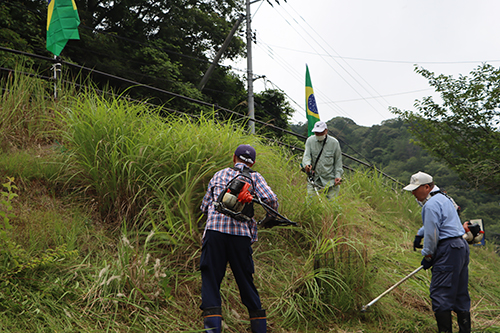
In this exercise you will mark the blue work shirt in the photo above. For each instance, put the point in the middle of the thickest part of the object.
(441, 221)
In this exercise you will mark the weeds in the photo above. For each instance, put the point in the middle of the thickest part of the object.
(107, 230)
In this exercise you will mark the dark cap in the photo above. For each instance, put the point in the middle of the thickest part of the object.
(245, 153)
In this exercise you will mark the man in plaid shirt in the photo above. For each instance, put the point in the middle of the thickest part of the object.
(226, 239)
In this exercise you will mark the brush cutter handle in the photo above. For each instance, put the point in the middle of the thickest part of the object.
(363, 309)
(273, 221)
(273, 218)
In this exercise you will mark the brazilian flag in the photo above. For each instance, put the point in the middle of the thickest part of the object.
(311, 108)
(62, 24)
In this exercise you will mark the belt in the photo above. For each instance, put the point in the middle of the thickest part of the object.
(449, 238)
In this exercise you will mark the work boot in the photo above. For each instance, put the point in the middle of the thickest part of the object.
(212, 319)
(464, 325)
(258, 322)
(443, 321)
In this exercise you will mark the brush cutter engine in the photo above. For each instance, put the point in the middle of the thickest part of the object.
(237, 200)
(473, 233)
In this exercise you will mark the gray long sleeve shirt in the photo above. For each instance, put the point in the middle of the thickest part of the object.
(329, 165)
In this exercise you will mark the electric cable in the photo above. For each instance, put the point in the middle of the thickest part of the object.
(214, 106)
(291, 70)
(340, 75)
(385, 60)
(325, 42)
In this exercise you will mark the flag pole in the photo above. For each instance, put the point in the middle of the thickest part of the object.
(56, 67)
(62, 25)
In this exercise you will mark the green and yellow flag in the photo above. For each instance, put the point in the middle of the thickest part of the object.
(311, 108)
(62, 24)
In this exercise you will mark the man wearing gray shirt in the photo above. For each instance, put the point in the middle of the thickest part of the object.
(323, 162)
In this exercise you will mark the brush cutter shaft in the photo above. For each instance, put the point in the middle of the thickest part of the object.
(391, 288)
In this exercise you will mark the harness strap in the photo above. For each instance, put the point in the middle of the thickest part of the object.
(317, 158)
(457, 207)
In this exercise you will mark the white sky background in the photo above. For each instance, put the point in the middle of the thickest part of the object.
(361, 53)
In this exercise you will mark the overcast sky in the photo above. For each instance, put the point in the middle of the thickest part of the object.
(362, 53)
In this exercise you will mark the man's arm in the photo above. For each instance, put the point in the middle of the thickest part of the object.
(430, 218)
(207, 199)
(306, 158)
(339, 170)
(265, 192)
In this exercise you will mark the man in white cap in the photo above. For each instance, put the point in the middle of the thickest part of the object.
(322, 161)
(445, 251)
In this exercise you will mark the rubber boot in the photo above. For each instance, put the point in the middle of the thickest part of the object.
(444, 321)
(258, 323)
(212, 320)
(464, 325)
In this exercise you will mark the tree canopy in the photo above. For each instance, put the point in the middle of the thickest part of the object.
(462, 131)
(165, 44)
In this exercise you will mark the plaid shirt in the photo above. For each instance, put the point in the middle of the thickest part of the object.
(226, 224)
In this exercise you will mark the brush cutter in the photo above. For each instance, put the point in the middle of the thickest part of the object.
(310, 180)
(236, 201)
(365, 307)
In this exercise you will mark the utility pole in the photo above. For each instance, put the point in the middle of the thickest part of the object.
(251, 110)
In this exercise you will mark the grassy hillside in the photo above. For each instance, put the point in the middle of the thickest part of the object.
(102, 229)
(390, 147)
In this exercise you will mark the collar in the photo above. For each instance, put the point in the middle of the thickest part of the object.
(434, 189)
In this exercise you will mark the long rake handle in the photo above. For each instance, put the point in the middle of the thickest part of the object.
(363, 309)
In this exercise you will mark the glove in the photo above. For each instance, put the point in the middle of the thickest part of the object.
(427, 262)
(417, 243)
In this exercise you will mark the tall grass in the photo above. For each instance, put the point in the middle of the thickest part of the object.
(144, 176)
(27, 109)
(154, 172)
(141, 166)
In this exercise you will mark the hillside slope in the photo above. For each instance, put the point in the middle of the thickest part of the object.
(105, 231)
(389, 146)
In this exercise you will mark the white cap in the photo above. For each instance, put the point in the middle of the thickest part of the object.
(420, 178)
(319, 127)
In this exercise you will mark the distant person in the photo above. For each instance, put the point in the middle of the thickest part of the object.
(445, 251)
(227, 239)
(322, 162)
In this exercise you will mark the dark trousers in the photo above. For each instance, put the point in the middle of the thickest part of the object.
(217, 250)
(450, 276)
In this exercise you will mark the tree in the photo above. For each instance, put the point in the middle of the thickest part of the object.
(463, 130)
(20, 29)
(167, 44)
(272, 107)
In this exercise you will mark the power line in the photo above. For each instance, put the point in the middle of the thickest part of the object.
(321, 46)
(292, 71)
(385, 60)
(214, 106)
(395, 94)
